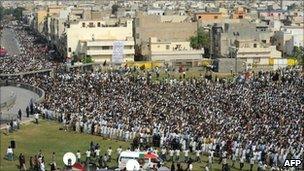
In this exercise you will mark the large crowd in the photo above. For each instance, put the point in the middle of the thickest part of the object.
(33, 55)
(254, 119)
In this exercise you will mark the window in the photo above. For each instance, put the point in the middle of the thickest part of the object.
(215, 17)
(199, 17)
(70, 49)
(167, 47)
(91, 24)
(255, 45)
(105, 47)
(264, 41)
(83, 24)
(98, 24)
(137, 22)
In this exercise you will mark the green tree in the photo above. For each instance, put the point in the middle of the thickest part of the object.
(87, 59)
(299, 54)
(200, 40)
(17, 13)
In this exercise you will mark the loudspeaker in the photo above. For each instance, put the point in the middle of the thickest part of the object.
(13, 144)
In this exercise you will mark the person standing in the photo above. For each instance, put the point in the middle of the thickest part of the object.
(177, 152)
(88, 155)
(78, 156)
(36, 118)
(97, 152)
(31, 108)
(197, 153)
(251, 163)
(119, 149)
(186, 154)
(22, 162)
(163, 153)
(27, 110)
(242, 160)
(171, 152)
(109, 153)
(20, 114)
(9, 153)
(53, 157)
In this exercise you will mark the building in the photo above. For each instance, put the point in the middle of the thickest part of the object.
(169, 51)
(255, 53)
(224, 35)
(39, 20)
(209, 16)
(166, 29)
(96, 38)
(288, 37)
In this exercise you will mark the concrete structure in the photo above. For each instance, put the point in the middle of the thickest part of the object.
(147, 26)
(224, 35)
(39, 20)
(168, 51)
(96, 38)
(209, 16)
(253, 52)
(239, 13)
(288, 37)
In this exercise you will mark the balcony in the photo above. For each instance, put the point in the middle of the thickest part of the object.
(177, 52)
(98, 43)
(108, 52)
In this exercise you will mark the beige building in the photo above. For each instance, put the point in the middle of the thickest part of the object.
(253, 52)
(165, 28)
(39, 19)
(168, 51)
(96, 38)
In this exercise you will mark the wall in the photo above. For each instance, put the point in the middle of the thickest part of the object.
(77, 33)
(147, 26)
(209, 16)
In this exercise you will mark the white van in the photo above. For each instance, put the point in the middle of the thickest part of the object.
(145, 159)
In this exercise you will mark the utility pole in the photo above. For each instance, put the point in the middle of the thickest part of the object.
(236, 34)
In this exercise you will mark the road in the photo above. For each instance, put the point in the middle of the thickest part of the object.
(9, 42)
(22, 101)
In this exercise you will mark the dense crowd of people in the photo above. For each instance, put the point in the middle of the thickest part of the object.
(253, 119)
(33, 54)
(257, 118)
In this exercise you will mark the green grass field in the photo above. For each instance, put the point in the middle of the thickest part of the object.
(46, 136)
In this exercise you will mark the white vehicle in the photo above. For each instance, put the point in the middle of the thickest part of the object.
(145, 159)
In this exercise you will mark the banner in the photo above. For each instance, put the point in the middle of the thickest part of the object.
(118, 54)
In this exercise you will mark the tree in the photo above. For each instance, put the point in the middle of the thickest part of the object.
(114, 9)
(17, 13)
(87, 59)
(299, 53)
(200, 40)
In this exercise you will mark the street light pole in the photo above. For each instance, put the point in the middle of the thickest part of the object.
(236, 34)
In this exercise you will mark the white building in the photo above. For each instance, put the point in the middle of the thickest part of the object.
(96, 38)
(288, 37)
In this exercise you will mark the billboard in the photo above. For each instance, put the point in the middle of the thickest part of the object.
(118, 54)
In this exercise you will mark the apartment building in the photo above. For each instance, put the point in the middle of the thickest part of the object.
(166, 28)
(98, 39)
(288, 37)
(225, 35)
(172, 50)
(254, 52)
